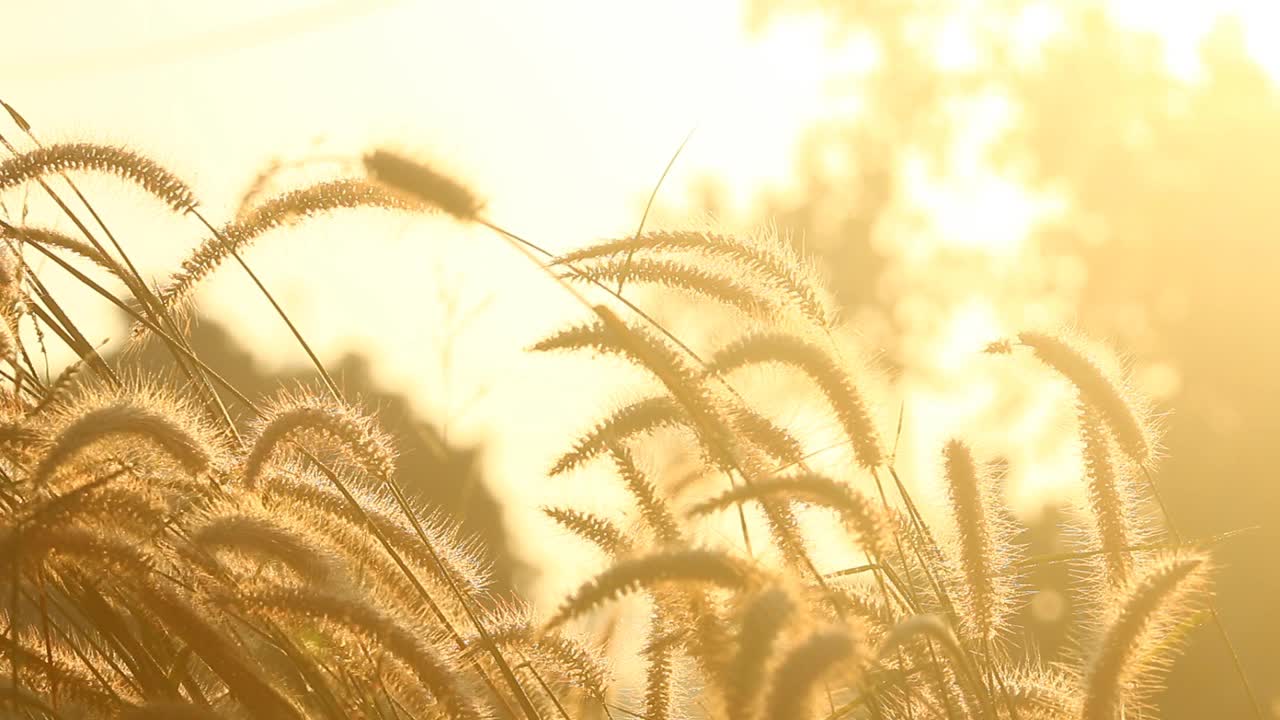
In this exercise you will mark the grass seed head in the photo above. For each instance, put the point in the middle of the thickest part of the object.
(423, 184)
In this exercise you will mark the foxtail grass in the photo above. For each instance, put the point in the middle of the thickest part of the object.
(167, 558)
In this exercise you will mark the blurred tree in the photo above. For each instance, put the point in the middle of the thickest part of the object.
(1166, 185)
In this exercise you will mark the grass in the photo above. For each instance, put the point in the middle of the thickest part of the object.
(164, 561)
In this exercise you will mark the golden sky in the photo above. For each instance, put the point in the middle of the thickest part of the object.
(562, 114)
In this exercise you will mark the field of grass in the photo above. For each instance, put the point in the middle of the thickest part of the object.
(173, 548)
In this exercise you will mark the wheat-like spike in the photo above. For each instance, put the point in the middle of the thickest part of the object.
(780, 517)
(414, 587)
(350, 625)
(1096, 389)
(779, 444)
(313, 498)
(653, 509)
(580, 663)
(1153, 602)
(48, 237)
(597, 530)
(423, 184)
(586, 336)
(124, 504)
(1041, 693)
(763, 619)
(126, 417)
(437, 673)
(72, 157)
(582, 666)
(681, 276)
(797, 676)
(826, 373)
(785, 530)
(652, 414)
(629, 421)
(1109, 497)
(293, 416)
(775, 262)
(507, 623)
(681, 381)
(676, 565)
(279, 211)
(52, 509)
(860, 513)
(612, 335)
(253, 533)
(658, 654)
(980, 560)
(870, 607)
(96, 548)
(709, 640)
(43, 671)
(20, 444)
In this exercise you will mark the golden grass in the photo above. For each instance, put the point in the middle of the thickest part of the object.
(166, 561)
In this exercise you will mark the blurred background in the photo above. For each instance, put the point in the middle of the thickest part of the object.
(961, 170)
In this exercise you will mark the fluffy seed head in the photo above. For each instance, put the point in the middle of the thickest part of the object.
(797, 676)
(423, 184)
(435, 671)
(826, 373)
(699, 566)
(282, 210)
(722, 288)
(862, 516)
(50, 238)
(297, 416)
(1096, 389)
(1153, 605)
(763, 619)
(613, 336)
(257, 535)
(765, 256)
(165, 427)
(635, 419)
(1110, 498)
(329, 514)
(986, 594)
(602, 532)
(70, 157)
(653, 507)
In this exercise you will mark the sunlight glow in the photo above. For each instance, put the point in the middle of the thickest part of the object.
(1183, 26)
(564, 115)
(772, 89)
(845, 290)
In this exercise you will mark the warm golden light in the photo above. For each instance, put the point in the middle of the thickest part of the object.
(838, 331)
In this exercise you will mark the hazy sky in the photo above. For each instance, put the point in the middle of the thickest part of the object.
(562, 114)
